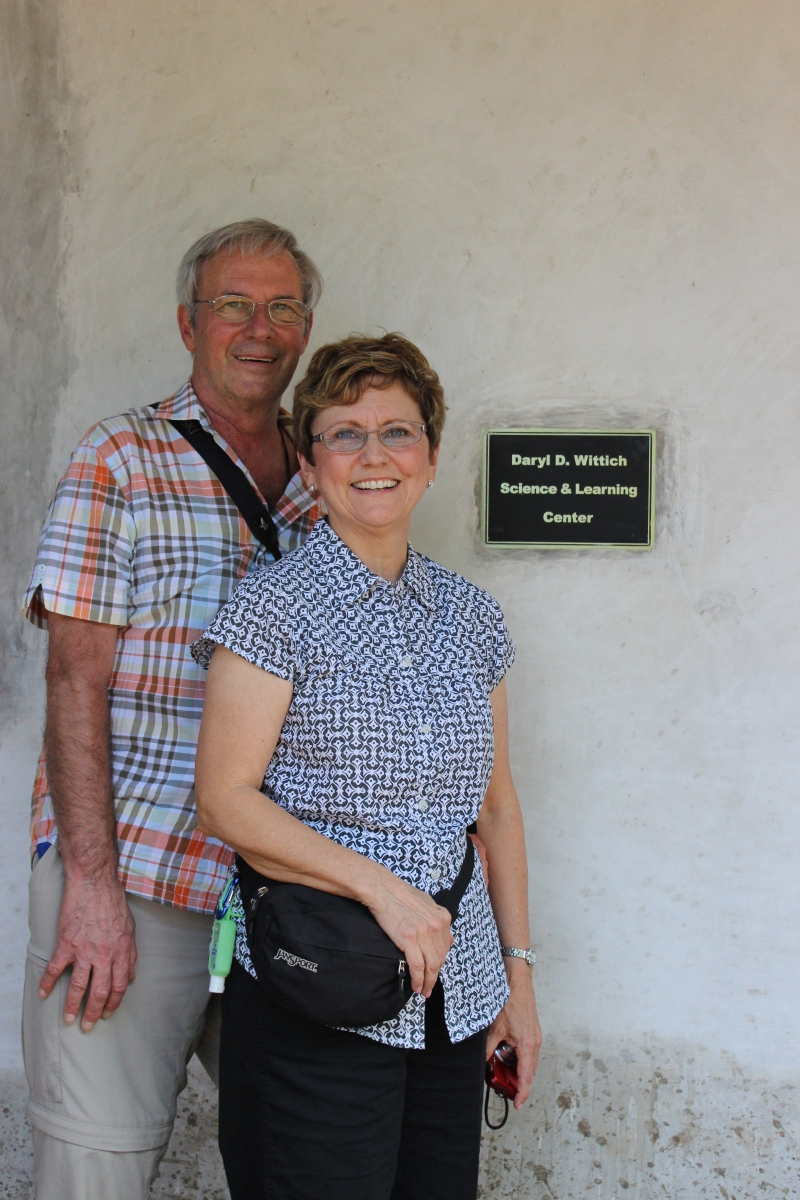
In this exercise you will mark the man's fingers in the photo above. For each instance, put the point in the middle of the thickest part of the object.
(99, 993)
(104, 996)
(75, 992)
(57, 965)
(96, 939)
(120, 978)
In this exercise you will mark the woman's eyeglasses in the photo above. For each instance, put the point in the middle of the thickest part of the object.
(395, 435)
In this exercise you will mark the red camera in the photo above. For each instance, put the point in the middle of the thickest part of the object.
(501, 1071)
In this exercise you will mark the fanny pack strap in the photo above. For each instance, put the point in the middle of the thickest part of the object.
(451, 897)
(235, 482)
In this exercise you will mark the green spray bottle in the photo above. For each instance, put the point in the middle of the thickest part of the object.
(223, 939)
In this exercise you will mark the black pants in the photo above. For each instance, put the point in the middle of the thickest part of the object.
(312, 1113)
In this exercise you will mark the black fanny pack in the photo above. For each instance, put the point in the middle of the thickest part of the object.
(325, 957)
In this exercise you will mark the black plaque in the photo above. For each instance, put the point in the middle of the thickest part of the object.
(555, 488)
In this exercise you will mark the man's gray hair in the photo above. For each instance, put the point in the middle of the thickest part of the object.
(255, 236)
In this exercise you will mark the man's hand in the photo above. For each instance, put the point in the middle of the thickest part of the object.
(96, 938)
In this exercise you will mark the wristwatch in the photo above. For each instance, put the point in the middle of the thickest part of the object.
(515, 952)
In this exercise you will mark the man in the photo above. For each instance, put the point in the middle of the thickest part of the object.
(140, 548)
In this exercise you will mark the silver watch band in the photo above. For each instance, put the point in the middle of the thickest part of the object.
(515, 952)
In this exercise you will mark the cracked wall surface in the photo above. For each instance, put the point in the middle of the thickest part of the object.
(585, 215)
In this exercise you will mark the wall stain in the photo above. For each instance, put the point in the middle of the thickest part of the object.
(37, 157)
(668, 1121)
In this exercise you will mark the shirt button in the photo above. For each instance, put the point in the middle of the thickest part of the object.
(405, 662)
(434, 873)
(424, 728)
(422, 806)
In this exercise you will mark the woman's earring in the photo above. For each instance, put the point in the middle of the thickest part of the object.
(430, 483)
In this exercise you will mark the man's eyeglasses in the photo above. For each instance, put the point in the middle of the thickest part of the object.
(237, 310)
(395, 435)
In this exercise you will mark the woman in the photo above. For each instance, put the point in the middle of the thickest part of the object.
(355, 725)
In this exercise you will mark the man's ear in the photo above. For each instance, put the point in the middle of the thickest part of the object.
(307, 334)
(186, 327)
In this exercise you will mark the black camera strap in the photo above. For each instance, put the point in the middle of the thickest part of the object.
(504, 1117)
(235, 482)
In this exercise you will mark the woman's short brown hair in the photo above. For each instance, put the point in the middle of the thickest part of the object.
(341, 372)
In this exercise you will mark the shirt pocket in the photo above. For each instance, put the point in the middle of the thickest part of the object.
(461, 723)
(351, 721)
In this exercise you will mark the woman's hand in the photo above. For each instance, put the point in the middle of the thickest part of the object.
(518, 1024)
(416, 924)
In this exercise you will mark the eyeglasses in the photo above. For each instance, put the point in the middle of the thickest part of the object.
(395, 435)
(237, 310)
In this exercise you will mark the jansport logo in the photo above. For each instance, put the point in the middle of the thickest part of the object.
(293, 960)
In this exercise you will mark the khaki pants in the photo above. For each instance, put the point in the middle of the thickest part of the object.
(102, 1103)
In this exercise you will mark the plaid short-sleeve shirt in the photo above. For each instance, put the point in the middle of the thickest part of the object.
(142, 535)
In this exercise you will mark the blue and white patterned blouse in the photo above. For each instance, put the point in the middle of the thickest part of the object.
(388, 744)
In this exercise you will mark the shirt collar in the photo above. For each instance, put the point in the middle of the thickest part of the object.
(295, 502)
(419, 578)
(350, 581)
(184, 406)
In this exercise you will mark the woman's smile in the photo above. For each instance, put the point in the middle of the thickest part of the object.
(375, 485)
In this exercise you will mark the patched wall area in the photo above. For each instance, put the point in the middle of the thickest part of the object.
(587, 216)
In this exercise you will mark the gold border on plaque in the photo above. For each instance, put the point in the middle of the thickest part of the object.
(651, 496)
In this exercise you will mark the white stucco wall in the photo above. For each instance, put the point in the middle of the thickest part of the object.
(586, 214)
